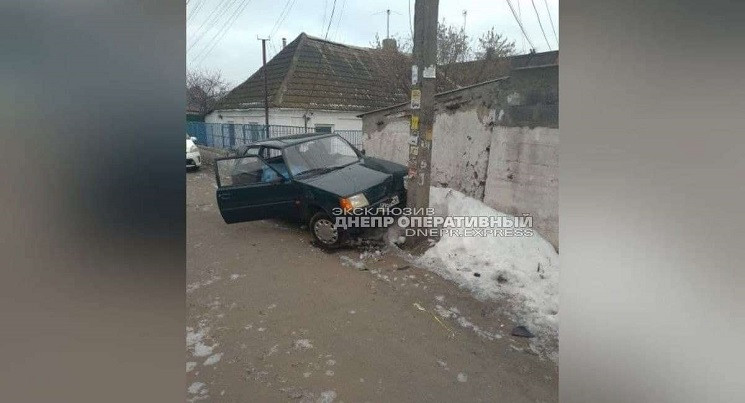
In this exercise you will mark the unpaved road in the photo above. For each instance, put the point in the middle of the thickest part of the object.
(271, 318)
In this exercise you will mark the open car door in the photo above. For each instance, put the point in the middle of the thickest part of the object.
(249, 189)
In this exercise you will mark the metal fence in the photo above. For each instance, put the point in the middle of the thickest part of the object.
(232, 135)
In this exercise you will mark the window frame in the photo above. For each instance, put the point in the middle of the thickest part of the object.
(221, 186)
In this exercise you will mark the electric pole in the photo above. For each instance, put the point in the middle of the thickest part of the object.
(423, 78)
(266, 91)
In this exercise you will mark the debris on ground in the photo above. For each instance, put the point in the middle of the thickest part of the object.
(349, 262)
(522, 331)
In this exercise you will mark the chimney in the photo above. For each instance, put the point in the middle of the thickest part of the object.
(390, 44)
(284, 42)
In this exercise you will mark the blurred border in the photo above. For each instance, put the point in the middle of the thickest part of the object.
(93, 216)
(652, 227)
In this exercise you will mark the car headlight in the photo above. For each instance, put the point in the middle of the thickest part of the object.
(193, 148)
(352, 202)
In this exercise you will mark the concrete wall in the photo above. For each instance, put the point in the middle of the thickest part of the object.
(485, 147)
(523, 176)
(340, 120)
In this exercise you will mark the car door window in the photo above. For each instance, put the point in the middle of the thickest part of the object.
(245, 171)
(252, 151)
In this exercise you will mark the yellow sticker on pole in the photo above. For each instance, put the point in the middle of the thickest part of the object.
(416, 99)
(428, 134)
(415, 122)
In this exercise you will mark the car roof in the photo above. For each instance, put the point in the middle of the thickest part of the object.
(286, 141)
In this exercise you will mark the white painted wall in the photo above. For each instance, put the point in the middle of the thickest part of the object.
(341, 120)
(460, 153)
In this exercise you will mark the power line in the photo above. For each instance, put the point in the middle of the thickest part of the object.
(330, 19)
(520, 15)
(540, 24)
(222, 31)
(195, 10)
(216, 15)
(338, 21)
(212, 23)
(520, 24)
(211, 17)
(282, 17)
(551, 20)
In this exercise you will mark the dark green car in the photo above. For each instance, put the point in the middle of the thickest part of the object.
(311, 178)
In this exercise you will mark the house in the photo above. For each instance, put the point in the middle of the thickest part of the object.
(319, 85)
(495, 140)
(322, 86)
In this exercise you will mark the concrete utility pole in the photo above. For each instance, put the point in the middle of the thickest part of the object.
(423, 73)
(266, 90)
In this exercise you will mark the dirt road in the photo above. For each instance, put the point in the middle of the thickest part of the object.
(273, 318)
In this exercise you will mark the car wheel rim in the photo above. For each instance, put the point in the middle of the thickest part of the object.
(325, 231)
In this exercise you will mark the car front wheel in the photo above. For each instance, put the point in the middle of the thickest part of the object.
(324, 232)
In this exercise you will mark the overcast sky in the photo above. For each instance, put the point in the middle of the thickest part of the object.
(221, 34)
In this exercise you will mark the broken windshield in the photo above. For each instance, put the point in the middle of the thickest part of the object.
(319, 156)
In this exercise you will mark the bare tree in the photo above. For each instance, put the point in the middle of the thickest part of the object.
(204, 89)
(493, 45)
(453, 45)
(404, 44)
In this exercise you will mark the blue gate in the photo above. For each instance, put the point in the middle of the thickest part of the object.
(232, 135)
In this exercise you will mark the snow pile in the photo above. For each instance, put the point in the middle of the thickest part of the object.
(302, 344)
(525, 270)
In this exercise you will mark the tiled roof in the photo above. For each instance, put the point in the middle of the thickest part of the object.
(318, 74)
(469, 73)
(314, 73)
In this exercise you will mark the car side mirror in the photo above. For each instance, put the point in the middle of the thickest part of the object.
(194, 139)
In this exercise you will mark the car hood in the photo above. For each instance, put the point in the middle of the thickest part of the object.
(353, 179)
(189, 143)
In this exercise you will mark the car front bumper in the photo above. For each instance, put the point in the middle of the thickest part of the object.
(193, 160)
(393, 210)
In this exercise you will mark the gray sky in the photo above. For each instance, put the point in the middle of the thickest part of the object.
(221, 34)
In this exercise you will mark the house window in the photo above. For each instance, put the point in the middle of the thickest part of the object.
(324, 128)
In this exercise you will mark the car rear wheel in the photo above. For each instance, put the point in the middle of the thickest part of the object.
(323, 231)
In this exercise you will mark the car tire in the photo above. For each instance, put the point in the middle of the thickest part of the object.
(324, 234)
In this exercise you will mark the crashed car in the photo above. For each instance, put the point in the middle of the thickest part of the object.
(311, 178)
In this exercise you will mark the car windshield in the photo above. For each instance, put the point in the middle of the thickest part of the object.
(319, 156)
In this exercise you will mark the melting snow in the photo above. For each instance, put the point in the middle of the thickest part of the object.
(213, 359)
(197, 285)
(303, 344)
(195, 387)
(349, 262)
(190, 366)
(462, 377)
(202, 350)
(327, 396)
(523, 269)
